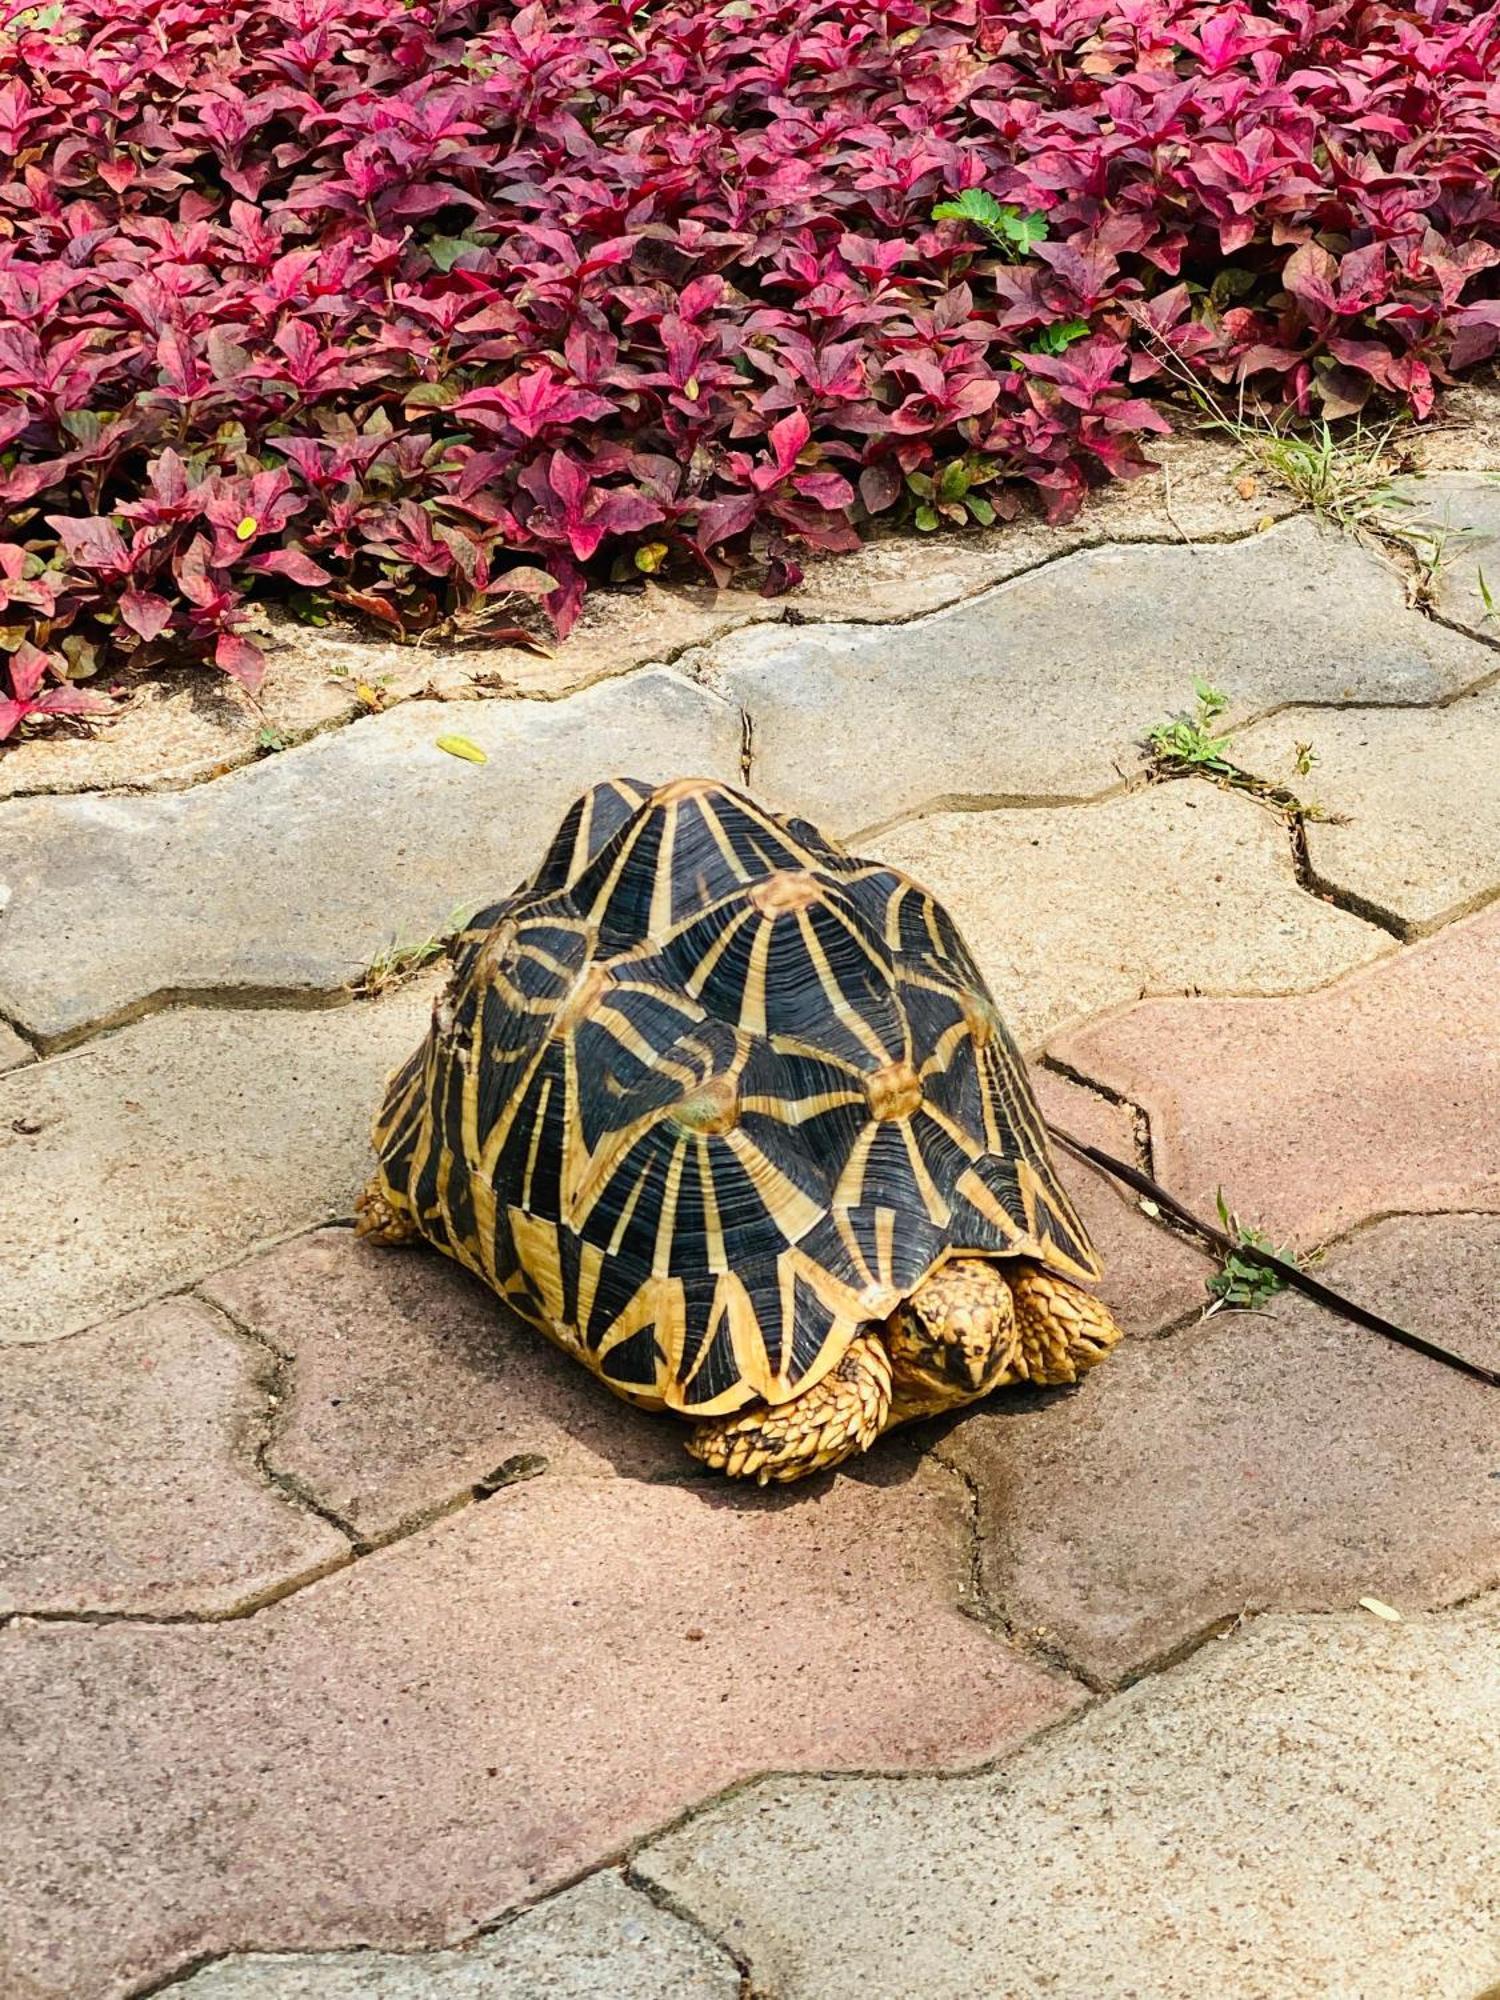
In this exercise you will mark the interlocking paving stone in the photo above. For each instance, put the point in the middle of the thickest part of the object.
(127, 1473)
(1378, 1094)
(1177, 888)
(412, 1383)
(463, 1720)
(295, 873)
(1466, 509)
(1049, 684)
(1421, 791)
(14, 1049)
(1151, 1276)
(1289, 1461)
(1307, 1808)
(600, 1941)
(153, 1155)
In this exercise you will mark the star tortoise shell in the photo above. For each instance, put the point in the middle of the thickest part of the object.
(708, 1094)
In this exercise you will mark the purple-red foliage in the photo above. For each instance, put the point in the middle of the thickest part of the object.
(419, 305)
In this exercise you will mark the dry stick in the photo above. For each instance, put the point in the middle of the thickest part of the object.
(1290, 1274)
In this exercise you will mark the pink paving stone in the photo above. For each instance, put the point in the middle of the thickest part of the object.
(1379, 1093)
(1151, 1277)
(411, 1383)
(127, 1473)
(461, 1721)
(1288, 1461)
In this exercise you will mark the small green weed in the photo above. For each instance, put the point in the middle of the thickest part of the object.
(948, 494)
(1243, 1284)
(1013, 233)
(1059, 337)
(1186, 746)
(268, 739)
(397, 963)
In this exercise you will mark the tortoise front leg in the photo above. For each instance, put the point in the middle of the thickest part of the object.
(382, 1216)
(1063, 1329)
(839, 1417)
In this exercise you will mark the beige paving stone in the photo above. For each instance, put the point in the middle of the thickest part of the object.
(411, 1384)
(600, 1941)
(1464, 509)
(1379, 1094)
(453, 1725)
(1045, 688)
(1420, 790)
(14, 1049)
(156, 1154)
(128, 1480)
(1177, 888)
(1304, 1809)
(1287, 1461)
(182, 728)
(296, 873)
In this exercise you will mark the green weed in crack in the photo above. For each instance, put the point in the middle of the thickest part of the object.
(1185, 745)
(1243, 1284)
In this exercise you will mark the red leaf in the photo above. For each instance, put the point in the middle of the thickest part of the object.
(241, 659)
(145, 612)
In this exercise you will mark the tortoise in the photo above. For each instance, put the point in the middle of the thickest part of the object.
(731, 1116)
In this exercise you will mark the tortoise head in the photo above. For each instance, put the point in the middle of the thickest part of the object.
(955, 1338)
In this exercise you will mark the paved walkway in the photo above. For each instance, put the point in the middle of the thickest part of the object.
(356, 1644)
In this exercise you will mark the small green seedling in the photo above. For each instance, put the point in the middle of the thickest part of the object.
(1013, 233)
(1187, 746)
(1485, 597)
(947, 494)
(1243, 1284)
(269, 739)
(1187, 742)
(1059, 337)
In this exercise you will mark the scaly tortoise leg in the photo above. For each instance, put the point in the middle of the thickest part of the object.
(1064, 1330)
(381, 1217)
(839, 1417)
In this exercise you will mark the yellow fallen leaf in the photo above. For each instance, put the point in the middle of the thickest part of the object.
(1380, 1610)
(1266, 521)
(461, 746)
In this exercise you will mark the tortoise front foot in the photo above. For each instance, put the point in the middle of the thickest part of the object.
(380, 1218)
(838, 1418)
(1064, 1330)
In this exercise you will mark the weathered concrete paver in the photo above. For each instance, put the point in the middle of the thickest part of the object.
(411, 1383)
(156, 1154)
(1421, 791)
(1377, 1094)
(1290, 1461)
(397, 1754)
(1307, 1808)
(295, 873)
(1151, 1276)
(600, 1941)
(14, 1049)
(1052, 682)
(128, 1479)
(1465, 509)
(1178, 888)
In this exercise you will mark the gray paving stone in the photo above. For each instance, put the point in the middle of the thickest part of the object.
(158, 1153)
(1465, 508)
(1180, 888)
(1307, 1808)
(128, 1480)
(1288, 1461)
(600, 1941)
(295, 873)
(1420, 789)
(1044, 688)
